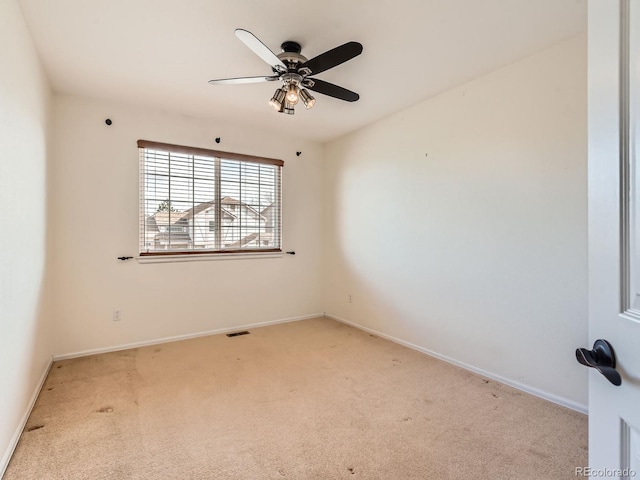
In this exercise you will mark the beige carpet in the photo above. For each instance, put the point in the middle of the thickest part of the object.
(313, 399)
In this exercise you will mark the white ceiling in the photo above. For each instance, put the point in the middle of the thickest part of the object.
(162, 52)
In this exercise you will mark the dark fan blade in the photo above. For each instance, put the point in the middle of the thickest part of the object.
(224, 81)
(260, 49)
(333, 57)
(332, 90)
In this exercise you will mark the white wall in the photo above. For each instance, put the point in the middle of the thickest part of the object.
(459, 225)
(476, 251)
(95, 211)
(25, 350)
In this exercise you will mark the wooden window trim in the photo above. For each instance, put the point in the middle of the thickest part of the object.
(209, 252)
(209, 153)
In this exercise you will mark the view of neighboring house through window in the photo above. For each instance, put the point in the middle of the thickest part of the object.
(195, 200)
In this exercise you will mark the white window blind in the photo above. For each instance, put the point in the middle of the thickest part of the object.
(195, 200)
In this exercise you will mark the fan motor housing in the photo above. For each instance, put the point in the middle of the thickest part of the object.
(291, 54)
(291, 46)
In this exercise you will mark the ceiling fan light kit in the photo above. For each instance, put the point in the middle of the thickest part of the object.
(307, 99)
(287, 108)
(277, 99)
(292, 94)
(294, 70)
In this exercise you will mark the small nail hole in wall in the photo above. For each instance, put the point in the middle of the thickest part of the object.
(108, 121)
(217, 139)
(298, 154)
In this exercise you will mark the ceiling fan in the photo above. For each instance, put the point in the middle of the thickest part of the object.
(294, 71)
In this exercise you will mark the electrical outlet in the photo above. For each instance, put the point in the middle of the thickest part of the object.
(117, 315)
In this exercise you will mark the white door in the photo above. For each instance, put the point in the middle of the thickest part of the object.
(614, 233)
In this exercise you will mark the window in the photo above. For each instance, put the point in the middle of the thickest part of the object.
(194, 200)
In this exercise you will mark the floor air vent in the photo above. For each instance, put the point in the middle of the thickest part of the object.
(236, 334)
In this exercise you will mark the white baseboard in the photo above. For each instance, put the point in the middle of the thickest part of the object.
(578, 407)
(4, 463)
(146, 343)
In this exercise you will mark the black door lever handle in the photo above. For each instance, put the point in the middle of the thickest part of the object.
(602, 358)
